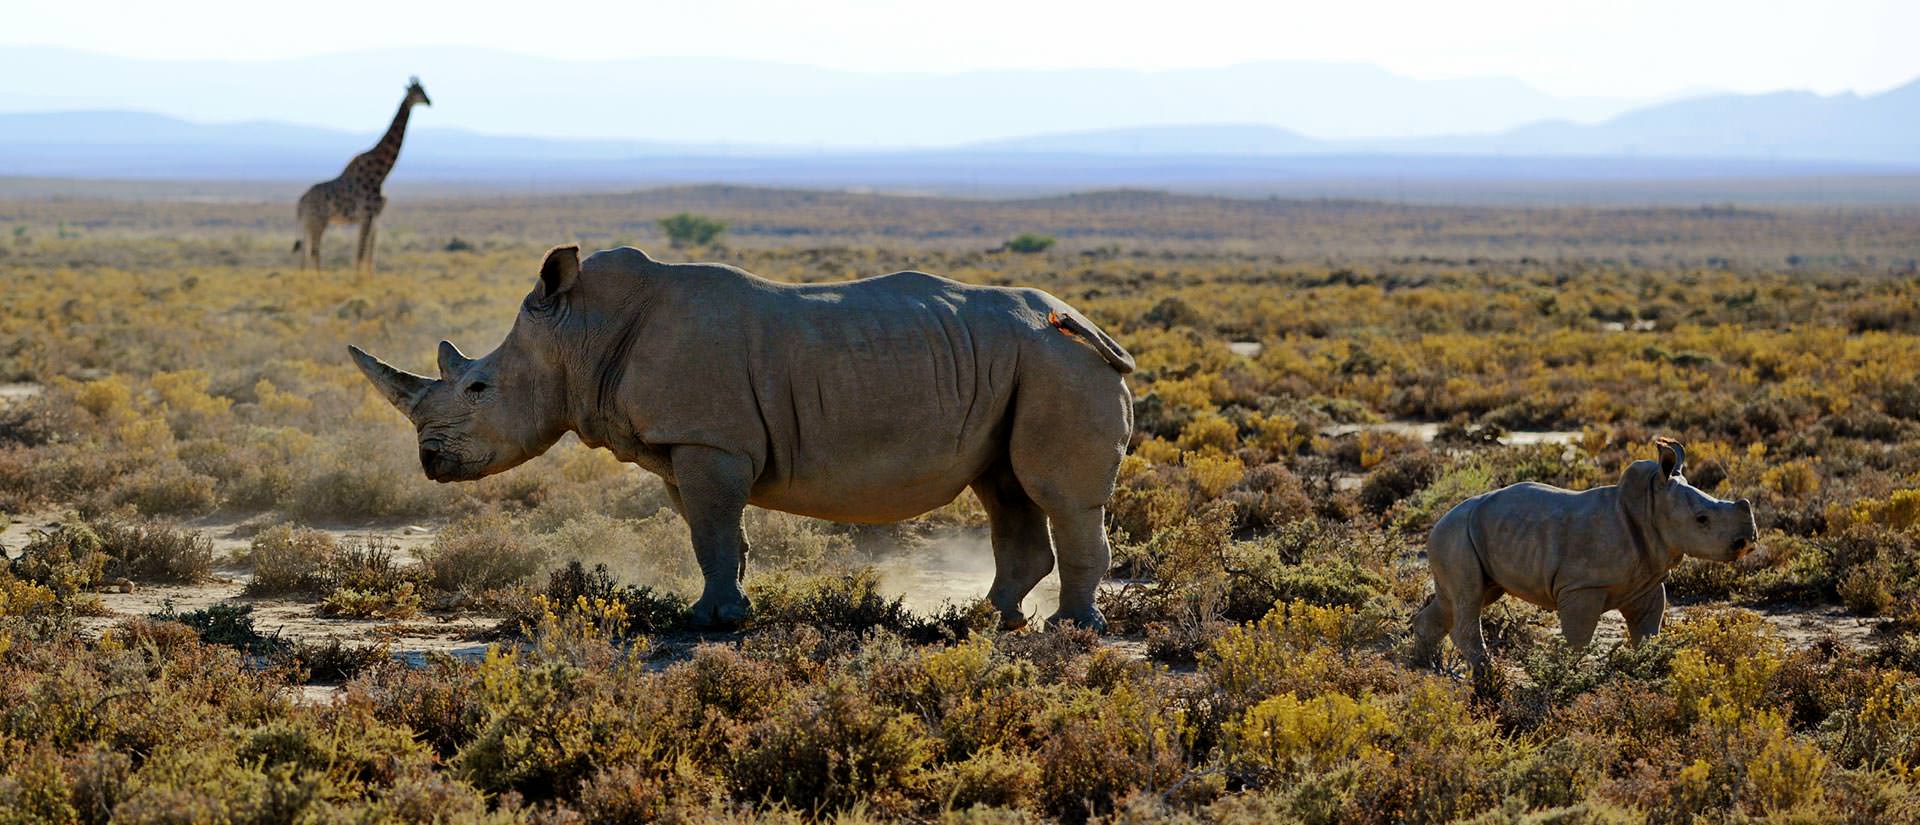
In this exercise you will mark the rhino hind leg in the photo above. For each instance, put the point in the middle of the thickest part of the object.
(1022, 550)
(1081, 538)
(1071, 422)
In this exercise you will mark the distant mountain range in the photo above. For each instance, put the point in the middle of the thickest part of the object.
(708, 101)
(1874, 130)
(773, 116)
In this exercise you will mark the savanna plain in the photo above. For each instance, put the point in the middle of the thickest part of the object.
(232, 596)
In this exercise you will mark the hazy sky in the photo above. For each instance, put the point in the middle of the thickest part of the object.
(1571, 47)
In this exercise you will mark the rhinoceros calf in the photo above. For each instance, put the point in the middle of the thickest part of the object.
(868, 401)
(1580, 554)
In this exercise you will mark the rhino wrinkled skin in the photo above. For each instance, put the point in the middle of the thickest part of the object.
(1580, 554)
(867, 401)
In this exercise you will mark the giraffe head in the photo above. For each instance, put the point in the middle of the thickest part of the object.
(417, 93)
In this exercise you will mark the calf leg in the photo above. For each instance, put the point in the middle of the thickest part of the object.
(1022, 550)
(1429, 625)
(1467, 637)
(1579, 612)
(713, 486)
(1645, 615)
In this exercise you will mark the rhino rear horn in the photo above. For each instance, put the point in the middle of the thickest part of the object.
(1673, 457)
(452, 360)
(401, 389)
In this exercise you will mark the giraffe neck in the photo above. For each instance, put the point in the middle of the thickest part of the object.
(381, 157)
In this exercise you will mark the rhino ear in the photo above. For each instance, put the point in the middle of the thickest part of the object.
(1673, 457)
(401, 389)
(560, 270)
(452, 361)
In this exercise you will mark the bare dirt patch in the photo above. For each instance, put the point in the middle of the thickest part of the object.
(16, 392)
(1426, 431)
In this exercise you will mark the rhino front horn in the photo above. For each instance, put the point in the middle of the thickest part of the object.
(452, 360)
(401, 389)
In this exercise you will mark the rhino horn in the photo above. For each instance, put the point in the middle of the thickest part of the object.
(1673, 456)
(452, 360)
(401, 389)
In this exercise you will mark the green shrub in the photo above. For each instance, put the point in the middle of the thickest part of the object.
(647, 610)
(288, 559)
(991, 777)
(167, 489)
(1096, 748)
(149, 551)
(228, 625)
(687, 229)
(484, 554)
(1284, 735)
(1028, 243)
(850, 601)
(832, 748)
(68, 560)
(399, 603)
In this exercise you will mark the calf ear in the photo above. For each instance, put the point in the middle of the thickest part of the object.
(1673, 457)
(560, 270)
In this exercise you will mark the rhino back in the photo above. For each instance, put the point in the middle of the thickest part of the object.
(871, 400)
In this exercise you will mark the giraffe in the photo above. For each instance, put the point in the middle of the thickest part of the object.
(355, 197)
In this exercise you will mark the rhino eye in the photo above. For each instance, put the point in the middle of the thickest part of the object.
(478, 387)
(1701, 519)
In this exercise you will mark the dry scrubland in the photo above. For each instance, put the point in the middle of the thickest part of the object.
(1264, 575)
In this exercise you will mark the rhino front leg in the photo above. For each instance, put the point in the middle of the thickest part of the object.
(1579, 614)
(746, 547)
(711, 491)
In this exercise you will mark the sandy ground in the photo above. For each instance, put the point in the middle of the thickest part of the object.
(412, 640)
(10, 393)
(1425, 431)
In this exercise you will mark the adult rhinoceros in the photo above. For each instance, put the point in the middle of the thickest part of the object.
(868, 401)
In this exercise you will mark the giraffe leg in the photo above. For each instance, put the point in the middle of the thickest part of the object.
(363, 259)
(314, 231)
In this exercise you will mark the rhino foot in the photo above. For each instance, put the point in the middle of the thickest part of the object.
(719, 613)
(1010, 622)
(1089, 618)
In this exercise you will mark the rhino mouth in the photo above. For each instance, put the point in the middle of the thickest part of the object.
(441, 467)
(1741, 547)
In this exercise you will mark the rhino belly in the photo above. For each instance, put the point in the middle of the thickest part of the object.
(886, 483)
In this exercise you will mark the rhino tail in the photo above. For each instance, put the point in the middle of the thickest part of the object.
(1074, 325)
